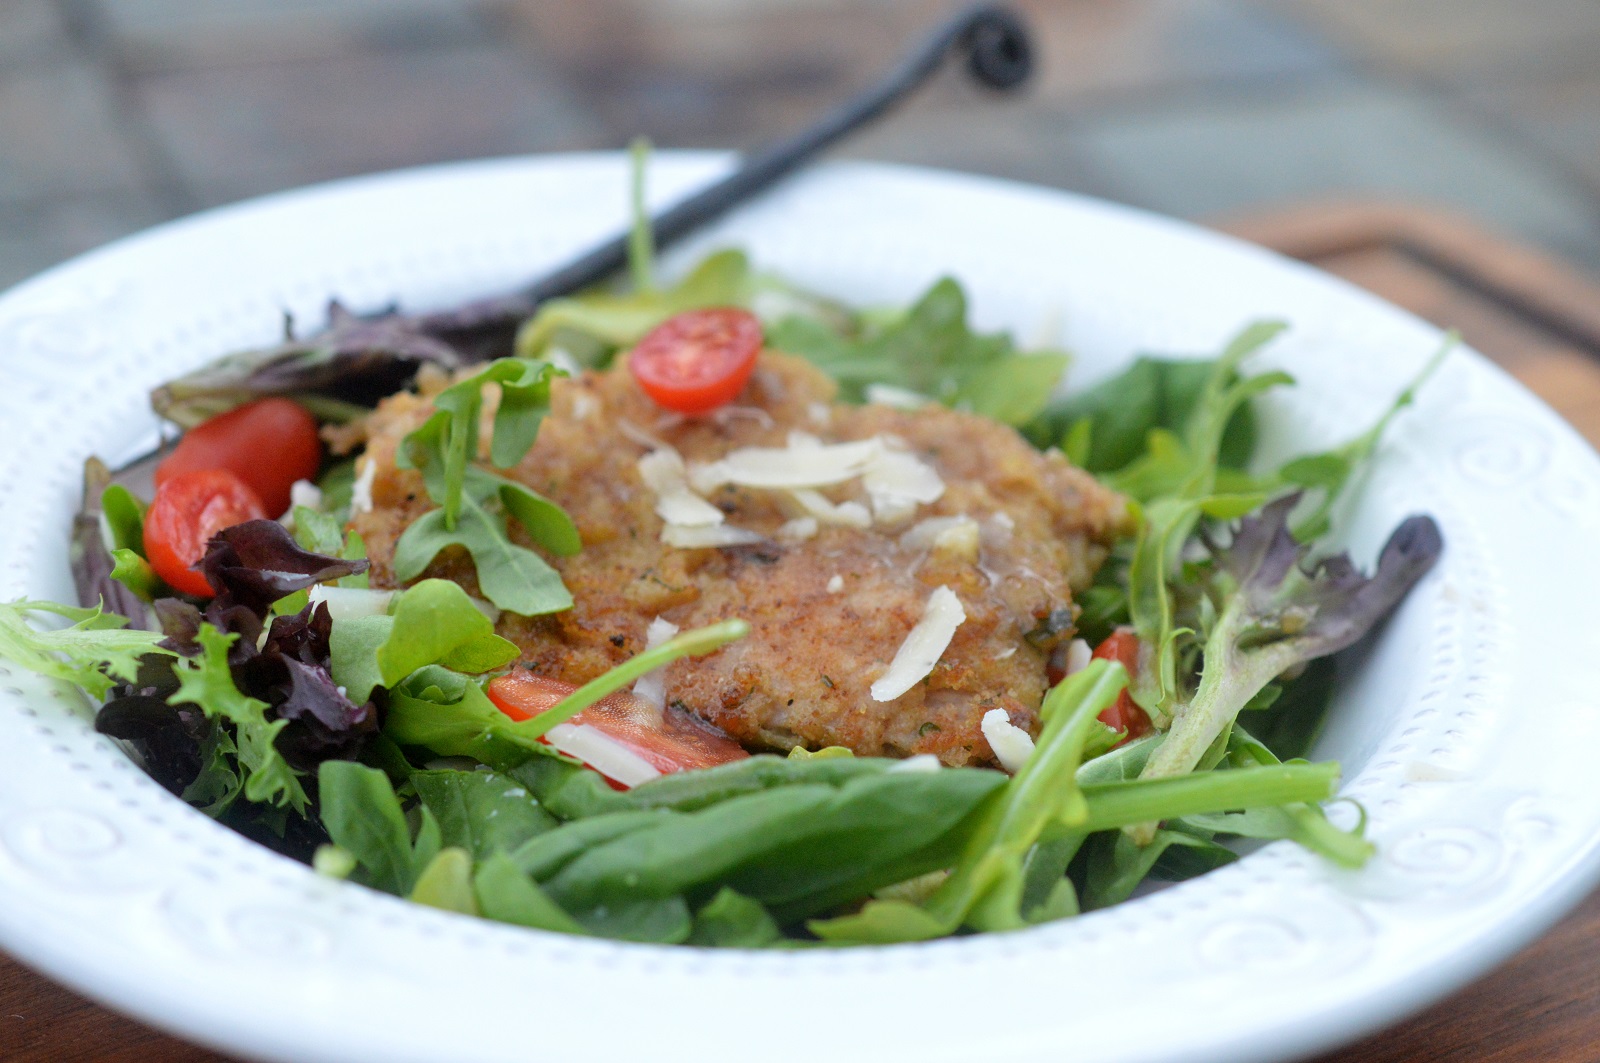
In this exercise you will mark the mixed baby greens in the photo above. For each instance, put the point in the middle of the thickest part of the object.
(351, 728)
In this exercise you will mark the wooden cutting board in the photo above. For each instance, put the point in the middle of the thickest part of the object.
(1535, 316)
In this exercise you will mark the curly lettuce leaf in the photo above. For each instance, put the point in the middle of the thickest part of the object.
(206, 681)
(96, 652)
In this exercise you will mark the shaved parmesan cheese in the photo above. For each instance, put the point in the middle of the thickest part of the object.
(1078, 656)
(898, 398)
(821, 414)
(584, 405)
(652, 686)
(815, 504)
(639, 435)
(692, 538)
(361, 490)
(897, 482)
(805, 466)
(1011, 744)
(662, 471)
(304, 493)
(957, 535)
(1005, 654)
(922, 762)
(798, 530)
(602, 753)
(835, 584)
(923, 646)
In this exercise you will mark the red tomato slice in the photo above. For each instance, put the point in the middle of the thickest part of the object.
(269, 444)
(698, 360)
(189, 508)
(1124, 714)
(667, 742)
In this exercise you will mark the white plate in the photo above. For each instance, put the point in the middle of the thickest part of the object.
(1467, 728)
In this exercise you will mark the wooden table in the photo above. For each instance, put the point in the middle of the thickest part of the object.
(1539, 319)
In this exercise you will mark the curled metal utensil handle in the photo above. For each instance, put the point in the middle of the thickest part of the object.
(998, 54)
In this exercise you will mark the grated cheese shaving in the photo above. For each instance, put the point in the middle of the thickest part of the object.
(662, 471)
(923, 646)
(692, 538)
(835, 583)
(816, 504)
(1011, 744)
(652, 686)
(798, 530)
(361, 490)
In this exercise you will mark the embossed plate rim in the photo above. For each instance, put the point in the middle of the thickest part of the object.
(195, 929)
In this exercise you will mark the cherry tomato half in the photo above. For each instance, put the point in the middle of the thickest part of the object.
(698, 360)
(1124, 715)
(665, 741)
(269, 444)
(189, 508)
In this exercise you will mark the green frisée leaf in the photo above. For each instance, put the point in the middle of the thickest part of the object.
(206, 681)
(96, 652)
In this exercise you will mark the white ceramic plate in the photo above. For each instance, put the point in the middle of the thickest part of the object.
(1467, 728)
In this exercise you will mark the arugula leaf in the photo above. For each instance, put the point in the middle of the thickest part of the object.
(931, 350)
(513, 577)
(206, 681)
(721, 279)
(641, 237)
(95, 653)
(1113, 420)
(1330, 471)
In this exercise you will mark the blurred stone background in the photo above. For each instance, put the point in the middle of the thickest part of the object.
(115, 114)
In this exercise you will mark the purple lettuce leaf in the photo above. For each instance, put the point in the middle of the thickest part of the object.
(1278, 610)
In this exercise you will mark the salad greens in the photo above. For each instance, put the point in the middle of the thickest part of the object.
(354, 729)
